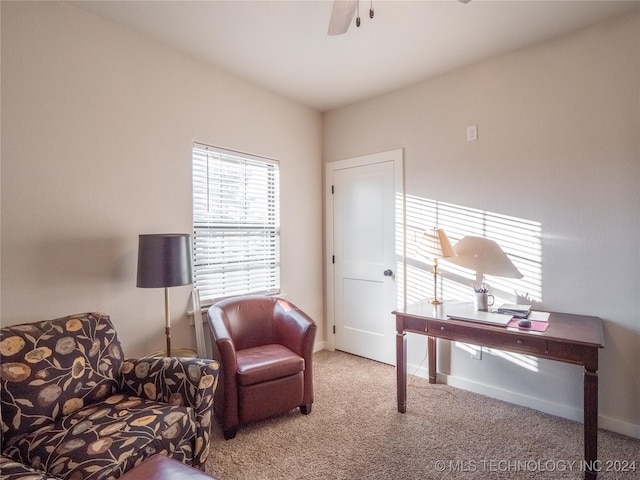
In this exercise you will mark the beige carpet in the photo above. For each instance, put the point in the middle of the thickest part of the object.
(356, 432)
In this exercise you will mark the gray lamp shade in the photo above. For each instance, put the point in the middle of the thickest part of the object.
(164, 260)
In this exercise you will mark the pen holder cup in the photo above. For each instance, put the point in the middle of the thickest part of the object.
(482, 301)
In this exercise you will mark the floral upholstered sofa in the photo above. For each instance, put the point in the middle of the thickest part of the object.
(74, 408)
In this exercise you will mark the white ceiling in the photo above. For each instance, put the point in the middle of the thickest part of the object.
(284, 46)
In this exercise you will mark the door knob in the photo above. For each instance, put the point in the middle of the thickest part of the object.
(388, 273)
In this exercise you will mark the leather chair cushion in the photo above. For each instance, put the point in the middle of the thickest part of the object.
(267, 362)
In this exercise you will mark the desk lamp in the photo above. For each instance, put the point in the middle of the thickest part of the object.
(435, 244)
(485, 257)
(164, 260)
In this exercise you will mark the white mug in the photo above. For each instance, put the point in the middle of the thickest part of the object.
(483, 301)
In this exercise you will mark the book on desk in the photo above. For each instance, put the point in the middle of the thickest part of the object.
(467, 311)
(515, 310)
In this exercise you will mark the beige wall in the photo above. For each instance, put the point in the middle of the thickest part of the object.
(559, 143)
(97, 128)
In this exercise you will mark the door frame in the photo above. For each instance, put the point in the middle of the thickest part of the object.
(397, 156)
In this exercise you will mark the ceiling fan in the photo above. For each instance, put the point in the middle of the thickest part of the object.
(341, 15)
(343, 11)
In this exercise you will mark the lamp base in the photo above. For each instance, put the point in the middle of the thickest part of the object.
(436, 301)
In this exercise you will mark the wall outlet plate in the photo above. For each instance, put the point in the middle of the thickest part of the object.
(472, 133)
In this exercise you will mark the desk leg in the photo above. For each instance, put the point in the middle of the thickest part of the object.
(401, 370)
(591, 419)
(431, 353)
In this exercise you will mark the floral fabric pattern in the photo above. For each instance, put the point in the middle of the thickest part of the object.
(11, 469)
(177, 381)
(74, 408)
(54, 368)
(108, 437)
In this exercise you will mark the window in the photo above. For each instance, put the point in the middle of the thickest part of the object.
(236, 223)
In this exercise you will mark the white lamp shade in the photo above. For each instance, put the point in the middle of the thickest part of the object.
(436, 244)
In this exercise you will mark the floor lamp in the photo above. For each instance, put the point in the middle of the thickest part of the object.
(164, 260)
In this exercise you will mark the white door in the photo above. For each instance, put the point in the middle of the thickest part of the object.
(363, 257)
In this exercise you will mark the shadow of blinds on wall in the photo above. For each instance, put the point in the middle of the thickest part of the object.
(236, 223)
(521, 240)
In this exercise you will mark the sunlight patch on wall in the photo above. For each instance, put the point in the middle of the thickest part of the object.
(525, 361)
(521, 240)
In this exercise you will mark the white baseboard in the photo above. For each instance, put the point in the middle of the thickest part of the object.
(319, 346)
(559, 410)
(618, 426)
(564, 411)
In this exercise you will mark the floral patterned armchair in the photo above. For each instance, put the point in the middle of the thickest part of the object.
(74, 408)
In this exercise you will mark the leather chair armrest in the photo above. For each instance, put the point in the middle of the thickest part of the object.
(293, 328)
(224, 347)
(224, 351)
(297, 331)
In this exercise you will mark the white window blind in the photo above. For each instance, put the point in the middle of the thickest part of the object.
(236, 223)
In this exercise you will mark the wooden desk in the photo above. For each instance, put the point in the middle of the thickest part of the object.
(569, 338)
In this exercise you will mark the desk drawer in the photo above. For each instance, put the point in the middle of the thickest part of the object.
(527, 344)
(489, 337)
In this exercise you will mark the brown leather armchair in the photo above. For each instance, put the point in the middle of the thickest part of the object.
(264, 345)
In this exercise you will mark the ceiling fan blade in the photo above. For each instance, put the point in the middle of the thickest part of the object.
(341, 15)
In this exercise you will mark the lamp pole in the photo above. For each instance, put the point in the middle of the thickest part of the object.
(167, 320)
(435, 300)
